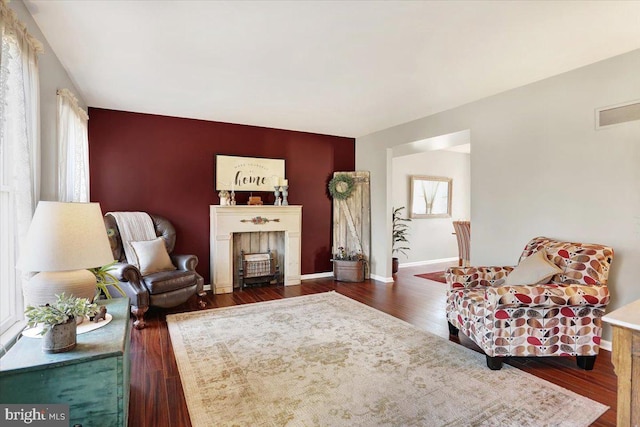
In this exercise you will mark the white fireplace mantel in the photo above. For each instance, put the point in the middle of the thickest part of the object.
(227, 220)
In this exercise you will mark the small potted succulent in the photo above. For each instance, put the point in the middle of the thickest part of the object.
(58, 321)
(348, 267)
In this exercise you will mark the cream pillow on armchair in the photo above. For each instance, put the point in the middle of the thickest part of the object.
(535, 269)
(152, 256)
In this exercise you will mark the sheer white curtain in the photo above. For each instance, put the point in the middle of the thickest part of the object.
(19, 155)
(73, 149)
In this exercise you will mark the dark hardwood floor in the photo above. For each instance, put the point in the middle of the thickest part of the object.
(156, 391)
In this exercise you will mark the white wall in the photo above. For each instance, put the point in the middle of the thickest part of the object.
(53, 76)
(431, 238)
(538, 167)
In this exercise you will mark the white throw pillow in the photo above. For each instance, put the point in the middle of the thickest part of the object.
(536, 269)
(152, 256)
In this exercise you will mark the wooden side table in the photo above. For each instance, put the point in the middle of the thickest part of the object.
(93, 379)
(626, 360)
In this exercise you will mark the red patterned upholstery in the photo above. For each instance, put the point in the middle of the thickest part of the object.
(561, 318)
(463, 234)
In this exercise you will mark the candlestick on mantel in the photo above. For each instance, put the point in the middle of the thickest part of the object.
(277, 195)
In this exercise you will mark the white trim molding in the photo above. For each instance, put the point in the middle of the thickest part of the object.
(317, 275)
(382, 279)
(605, 345)
(428, 262)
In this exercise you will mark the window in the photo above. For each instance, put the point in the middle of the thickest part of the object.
(8, 300)
(73, 143)
(19, 150)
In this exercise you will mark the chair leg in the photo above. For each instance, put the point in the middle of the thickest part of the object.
(453, 330)
(586, 362)
(494, 363)
(201, 302)
(139, 312)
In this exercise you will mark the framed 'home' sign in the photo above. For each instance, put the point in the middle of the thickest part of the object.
(248, 173)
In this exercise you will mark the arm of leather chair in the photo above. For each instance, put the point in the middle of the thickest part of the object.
(570, 296)
(131, 281)
(125, 272)
(473, 277)
(185, 262)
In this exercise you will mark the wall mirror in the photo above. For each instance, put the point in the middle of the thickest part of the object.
(430, 197)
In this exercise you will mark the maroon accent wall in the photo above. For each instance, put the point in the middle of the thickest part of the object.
(166, 165)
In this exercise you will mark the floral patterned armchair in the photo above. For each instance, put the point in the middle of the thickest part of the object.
(559, 317)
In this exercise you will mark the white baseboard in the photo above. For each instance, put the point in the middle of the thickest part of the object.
(317, 275)
(324, 276)
(427, 262)
(303, 277)
(373, 276)
(382, 278)
(412, 264)
(605, 345)
(330, 274)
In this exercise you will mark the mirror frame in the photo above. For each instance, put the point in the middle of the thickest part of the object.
(414, 181)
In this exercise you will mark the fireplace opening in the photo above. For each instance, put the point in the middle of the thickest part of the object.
(258, 258)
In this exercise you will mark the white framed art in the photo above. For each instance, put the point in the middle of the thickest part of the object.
(430, 197)
(235, 173)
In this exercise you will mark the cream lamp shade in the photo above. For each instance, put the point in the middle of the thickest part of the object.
(64, 239)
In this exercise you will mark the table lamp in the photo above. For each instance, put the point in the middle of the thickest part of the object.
(64, 239)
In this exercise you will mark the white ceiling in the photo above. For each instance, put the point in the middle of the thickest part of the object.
(345, 68)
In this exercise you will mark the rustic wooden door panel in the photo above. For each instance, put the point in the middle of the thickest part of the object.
(352, 218)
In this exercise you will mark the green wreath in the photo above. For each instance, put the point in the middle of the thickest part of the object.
(341, 186)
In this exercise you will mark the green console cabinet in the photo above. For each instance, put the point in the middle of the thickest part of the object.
(93, 378)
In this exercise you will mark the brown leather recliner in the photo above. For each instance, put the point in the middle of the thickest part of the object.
(162, 289)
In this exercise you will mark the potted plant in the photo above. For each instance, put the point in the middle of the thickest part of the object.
(58, 321)
(348, 268)
(400, 233)
(104, 279)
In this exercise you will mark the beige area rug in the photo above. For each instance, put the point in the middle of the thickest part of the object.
(327, 360)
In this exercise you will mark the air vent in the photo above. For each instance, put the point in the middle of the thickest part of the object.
(617, 114)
